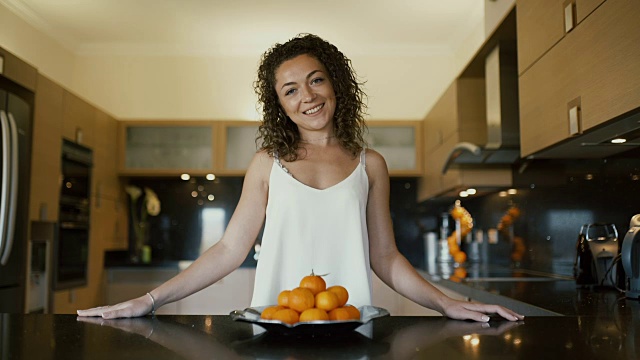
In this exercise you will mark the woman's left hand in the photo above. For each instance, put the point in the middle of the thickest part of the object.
(464, 310)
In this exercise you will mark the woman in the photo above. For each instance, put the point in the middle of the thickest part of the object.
(324, 196)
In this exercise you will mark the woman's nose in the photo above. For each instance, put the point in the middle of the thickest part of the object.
(307, 94)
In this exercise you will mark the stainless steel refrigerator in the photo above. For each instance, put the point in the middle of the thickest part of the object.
(16, 112)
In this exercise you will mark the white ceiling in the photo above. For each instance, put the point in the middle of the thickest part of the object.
(248, 27)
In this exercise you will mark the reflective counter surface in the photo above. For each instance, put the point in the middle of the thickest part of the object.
(611, 335)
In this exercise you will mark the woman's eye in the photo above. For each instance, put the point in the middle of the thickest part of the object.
(317, 80)
(289, 92)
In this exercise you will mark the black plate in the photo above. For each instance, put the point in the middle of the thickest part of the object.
(252, 315)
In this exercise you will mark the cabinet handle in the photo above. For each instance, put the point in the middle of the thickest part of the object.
(570, 18)
(574, 116)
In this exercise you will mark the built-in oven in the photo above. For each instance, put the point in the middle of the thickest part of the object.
(71, 251)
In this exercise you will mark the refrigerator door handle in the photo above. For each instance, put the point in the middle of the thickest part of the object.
(13, 191)
(4, 187)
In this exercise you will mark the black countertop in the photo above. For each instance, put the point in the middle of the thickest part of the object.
(613, 335)
(531, 293)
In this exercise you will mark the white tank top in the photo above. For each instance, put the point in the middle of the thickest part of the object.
(310, 229)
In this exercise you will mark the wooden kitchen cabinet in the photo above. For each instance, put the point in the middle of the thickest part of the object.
(594, 67)
(236, 146)
(17, 70)
(541, 25)
(123, 284)
(458, 116)
(45, 152)
(108, 198)
(60, 114)
(105, 181)
(78, 120)
(231, 293)
(400, 143)
(166, 148)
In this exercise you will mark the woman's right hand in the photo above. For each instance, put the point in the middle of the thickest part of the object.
(133, 308)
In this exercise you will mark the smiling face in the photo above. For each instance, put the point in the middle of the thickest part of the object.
(306, 95)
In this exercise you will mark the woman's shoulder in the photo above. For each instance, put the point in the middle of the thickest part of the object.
(260, 164)
(374, 158)
(375, 163)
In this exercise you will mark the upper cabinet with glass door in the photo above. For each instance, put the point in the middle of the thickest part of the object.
(166, 148)
(400, 143)
(226, 148)
(236, 146)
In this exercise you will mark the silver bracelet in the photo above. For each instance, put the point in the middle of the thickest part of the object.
(153, 304)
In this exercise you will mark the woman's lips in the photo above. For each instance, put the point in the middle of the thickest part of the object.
(313, 110)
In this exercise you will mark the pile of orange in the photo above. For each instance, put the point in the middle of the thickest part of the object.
(463, 217)
(312, 301)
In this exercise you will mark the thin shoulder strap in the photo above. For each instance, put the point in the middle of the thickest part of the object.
(363, 157)
(276, 159)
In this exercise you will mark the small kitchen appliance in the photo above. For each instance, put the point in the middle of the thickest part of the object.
(597, 249)
(630, 255)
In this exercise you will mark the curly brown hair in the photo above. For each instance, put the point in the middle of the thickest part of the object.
(277, 132)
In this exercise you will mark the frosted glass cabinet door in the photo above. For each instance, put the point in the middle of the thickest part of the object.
(169, 147)
(239, 146)
(399, 144)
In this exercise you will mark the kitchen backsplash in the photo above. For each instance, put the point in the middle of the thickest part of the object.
(554, 198)
(193, 215)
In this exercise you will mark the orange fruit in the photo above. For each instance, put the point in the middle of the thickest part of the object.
(460, 272)
(507, 220)
(453, 238)
(288, 316)
(314, 283)
(283, 298)
(355, 313)
(460, 257)
(267, 313)
(514, 212)
(301, 299)
(314, 314)
(348, 312)
(454, 248)
(327, 300)
(339, 314)
(457, 212)
(341, 293)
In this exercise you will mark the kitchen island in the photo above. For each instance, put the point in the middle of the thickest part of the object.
(614, 335)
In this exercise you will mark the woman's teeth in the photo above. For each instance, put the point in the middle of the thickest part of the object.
(314, 110)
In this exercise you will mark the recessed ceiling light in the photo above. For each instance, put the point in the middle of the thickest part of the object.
(471, 191)
(502, 194)
(185, 177)
(512, 191)
(211, 177)
(463, 194)
(618, 141)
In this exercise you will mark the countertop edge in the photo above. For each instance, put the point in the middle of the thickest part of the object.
(489, 298)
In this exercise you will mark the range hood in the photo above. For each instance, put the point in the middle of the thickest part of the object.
(502, 147)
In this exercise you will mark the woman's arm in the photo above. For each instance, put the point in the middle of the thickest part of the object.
(394, 269)
(219, 260)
